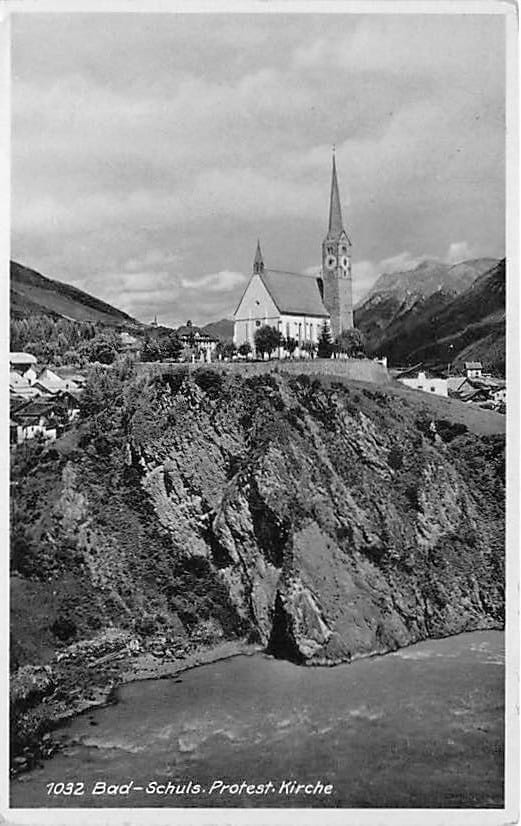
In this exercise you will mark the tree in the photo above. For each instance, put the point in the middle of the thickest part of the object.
(325, 344)
(151, 351)
(225, 349)
(267, 339)
(290, 345)
(245, 349)
(171, 347)
(351, 342)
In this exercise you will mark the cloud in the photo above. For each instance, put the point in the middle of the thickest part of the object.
(219, 130)
(222, 281)
(459, 251)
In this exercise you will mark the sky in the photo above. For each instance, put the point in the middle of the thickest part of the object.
(150, 151)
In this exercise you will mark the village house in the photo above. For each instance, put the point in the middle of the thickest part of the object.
(297, 305)
(20, 386)
(33, 419)
(43, 401)
(74, 380)
(484, 390)
(473, 369)
(197, 342)
(421, 380)
(21, 362)
(45, 417)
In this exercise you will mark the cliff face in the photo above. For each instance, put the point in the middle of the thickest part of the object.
(338, 532)
(324, 522)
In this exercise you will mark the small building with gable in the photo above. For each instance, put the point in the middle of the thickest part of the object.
(473, 369)
(427, 382)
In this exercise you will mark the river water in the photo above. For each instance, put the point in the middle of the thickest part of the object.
(421, 727)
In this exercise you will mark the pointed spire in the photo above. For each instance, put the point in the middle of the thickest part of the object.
(335, 211)
(258, 263)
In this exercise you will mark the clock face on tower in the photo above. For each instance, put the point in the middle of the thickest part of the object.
(344, 262)
(330, 262)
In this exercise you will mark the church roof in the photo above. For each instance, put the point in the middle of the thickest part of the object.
(335, 211)
(336, 225)
(293, 293)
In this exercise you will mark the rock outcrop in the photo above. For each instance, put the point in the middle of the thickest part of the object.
(326, 523)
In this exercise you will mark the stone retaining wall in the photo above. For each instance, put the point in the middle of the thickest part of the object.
(355, 369)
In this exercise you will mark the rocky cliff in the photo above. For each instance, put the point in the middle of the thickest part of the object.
(324, 522)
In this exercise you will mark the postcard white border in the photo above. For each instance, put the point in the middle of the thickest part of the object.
(257, 816)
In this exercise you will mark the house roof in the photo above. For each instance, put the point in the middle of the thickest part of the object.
(489, 382)
(455, 382)
(294, 294)
(190, 330)
(23, 392)
(39, 407)
(70, 374)
(473, 365)
(22, 358)
(49, 386)
(16, 403)
(16, 380)
(473, 394)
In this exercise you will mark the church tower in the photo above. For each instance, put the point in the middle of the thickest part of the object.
(258, 262)
(336, 266)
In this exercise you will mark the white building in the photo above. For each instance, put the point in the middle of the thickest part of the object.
(197, 341)
(473, 369)
(289, 302)
(428, 384)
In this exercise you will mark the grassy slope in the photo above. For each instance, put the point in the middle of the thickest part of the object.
(30, 290)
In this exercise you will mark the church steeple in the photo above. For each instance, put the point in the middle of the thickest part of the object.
(336, 265)
(335, 210)
(258, 263)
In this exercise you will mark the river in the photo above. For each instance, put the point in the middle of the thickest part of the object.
(420, 727)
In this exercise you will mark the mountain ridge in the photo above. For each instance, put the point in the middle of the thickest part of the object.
(32, 293)
(452, 329)
(437, 325)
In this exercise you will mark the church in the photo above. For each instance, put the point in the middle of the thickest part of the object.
(298, 305)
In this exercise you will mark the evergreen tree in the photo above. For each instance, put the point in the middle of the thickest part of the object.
(325, 343)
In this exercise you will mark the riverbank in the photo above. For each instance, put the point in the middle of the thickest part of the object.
(422, 727)
(121, 667)
(67, 688)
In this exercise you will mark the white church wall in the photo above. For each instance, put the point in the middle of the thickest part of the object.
(302, 327)
(255, 309)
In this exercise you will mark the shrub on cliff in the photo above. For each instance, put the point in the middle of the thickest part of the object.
(210, 381)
